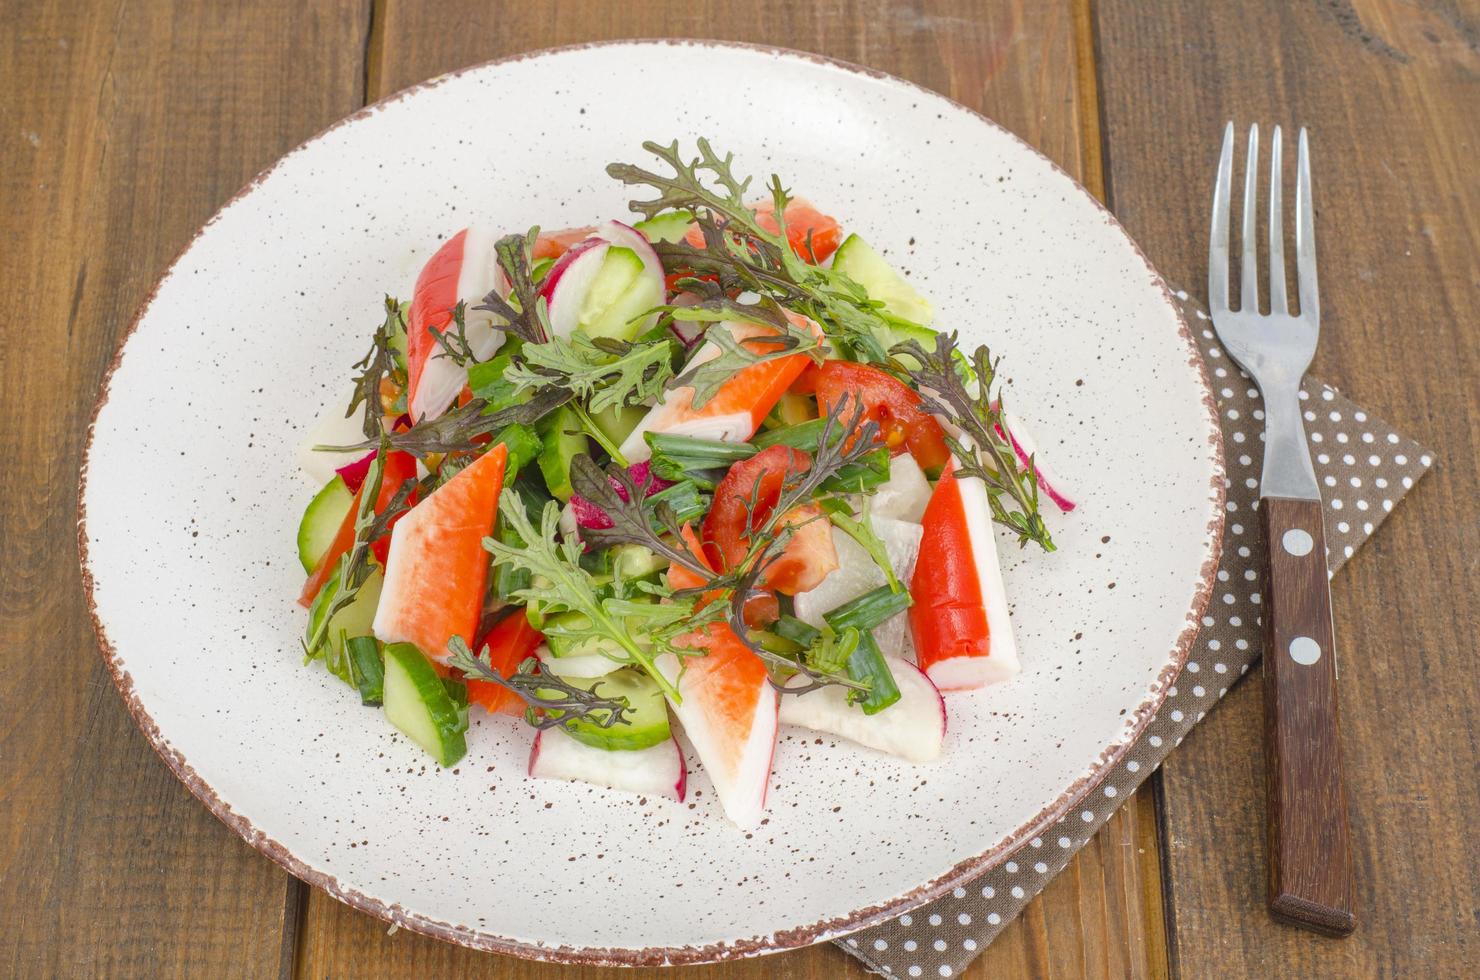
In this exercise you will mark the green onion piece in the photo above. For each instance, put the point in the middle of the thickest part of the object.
(793, 629)
(803, 435)
(366, 668)
(867, 666)
(868, 610)
(865, 476)
(524, 448)
(677, 457)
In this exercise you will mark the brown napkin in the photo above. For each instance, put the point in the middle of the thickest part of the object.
(1364, 467)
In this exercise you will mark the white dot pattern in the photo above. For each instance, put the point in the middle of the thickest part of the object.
(958, 926)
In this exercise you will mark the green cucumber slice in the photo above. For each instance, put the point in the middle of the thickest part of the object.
(630, 561)
(859, 262)
(563, 441)
(619, 421)
(564, 646)
(354, 619)
(419, 704)
(321, 520)
(642, 727)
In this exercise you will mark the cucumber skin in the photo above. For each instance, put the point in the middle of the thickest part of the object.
(419, 705)
(354, 619)
(321, 520)
(562, 442)
(642, 728)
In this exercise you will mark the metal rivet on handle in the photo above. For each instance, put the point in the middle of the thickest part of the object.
(1297, 542)
(1304, 651)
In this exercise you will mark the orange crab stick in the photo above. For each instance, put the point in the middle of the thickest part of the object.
(437, 570)
(963, 638)
(735, 411)
(463, 270)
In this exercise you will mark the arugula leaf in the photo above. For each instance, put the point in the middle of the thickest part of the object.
(978, 415)
(602, 372)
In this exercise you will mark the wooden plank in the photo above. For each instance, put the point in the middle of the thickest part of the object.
(1389, 90)
(124, 127)
(1025, 65)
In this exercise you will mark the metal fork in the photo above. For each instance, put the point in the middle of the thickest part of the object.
(1310, 865)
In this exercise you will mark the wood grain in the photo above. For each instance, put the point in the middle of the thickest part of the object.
(123, 128)
(1309, 841)
(1389, 90)
(1023, 65)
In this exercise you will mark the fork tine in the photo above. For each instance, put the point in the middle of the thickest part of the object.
(1305, 235)
(1218, 237)
(1249, 298)
(1279, 301)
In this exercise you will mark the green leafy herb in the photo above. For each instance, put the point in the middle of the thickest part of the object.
(602, 372)
(460, 429)
(861, 530)
(454, 342)
(550, 701)
(706, 377)
(526, 316)
(382, 361)
(640, 627)
(633, 522)
(1012, 491)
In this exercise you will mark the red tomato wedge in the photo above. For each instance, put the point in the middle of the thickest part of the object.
(437, 571)
(751, 489)
(742, 403)
(802, 220)
(728, 710)
(553, 244)
(399, 467)
(903, 422)
(510, 642)
(963, 638)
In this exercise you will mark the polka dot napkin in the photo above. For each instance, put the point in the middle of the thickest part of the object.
(1364, 467)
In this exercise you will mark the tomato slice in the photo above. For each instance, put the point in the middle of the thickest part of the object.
(903, 422)
(510, 642)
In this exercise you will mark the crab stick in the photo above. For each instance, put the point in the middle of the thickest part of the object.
(728, 710)
(737, 409)
(464, 269)
(959, 621)
(437, 570)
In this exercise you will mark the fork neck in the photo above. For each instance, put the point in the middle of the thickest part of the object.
(1287, 468)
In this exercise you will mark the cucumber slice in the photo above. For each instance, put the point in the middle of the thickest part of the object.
(620, 292)
(859, 262)
(631, 561)
(366, 668)
(670, 226)
(562, 645)
(642, 727)
(563, 440)
(354, 619)
(321, 520)
(419, 704)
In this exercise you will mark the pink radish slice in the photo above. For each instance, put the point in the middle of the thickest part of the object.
(655, 771)
(353, 474)
(1025, 449)
(578, 665)
(913, 728)
(568, 282)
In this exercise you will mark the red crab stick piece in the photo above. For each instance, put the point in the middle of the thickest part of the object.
(735, 411)
(437, 569)
(728, 710)
(963, 638)
(464, 269)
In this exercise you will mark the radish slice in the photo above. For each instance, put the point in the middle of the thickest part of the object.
(857, 573)
(1025, 449)
(568, 282)
(332, 428)
(962, 633)
(353, 474)
(464, 269)
(655, 771)
(625, 236)
(913, 728)
(905, 494)
(588, 514)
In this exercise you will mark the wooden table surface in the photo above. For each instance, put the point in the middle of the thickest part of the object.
(125, 125)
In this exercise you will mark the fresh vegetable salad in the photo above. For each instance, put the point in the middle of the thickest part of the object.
(713, 467)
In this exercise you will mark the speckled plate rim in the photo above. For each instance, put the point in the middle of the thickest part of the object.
(799, 936)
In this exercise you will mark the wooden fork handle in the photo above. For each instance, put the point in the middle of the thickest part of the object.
(1310, 861)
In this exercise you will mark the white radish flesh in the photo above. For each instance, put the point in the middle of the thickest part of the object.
(913, 728)
(857, 573)
(655, 771)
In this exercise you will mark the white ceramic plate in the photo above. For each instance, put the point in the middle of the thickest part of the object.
(191, 497)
